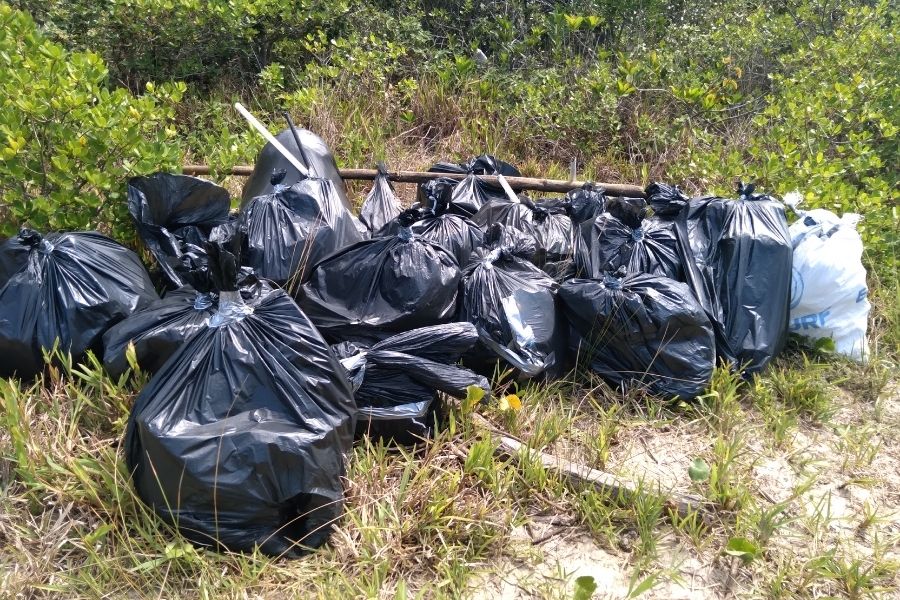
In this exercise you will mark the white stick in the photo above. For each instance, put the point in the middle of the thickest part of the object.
(506, 188)
(271, 138)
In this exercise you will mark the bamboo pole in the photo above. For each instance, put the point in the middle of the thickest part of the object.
(519, 183)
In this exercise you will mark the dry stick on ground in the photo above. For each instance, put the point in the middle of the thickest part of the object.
(520, 183)
(618, 488)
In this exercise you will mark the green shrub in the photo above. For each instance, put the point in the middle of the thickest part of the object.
(67, 141)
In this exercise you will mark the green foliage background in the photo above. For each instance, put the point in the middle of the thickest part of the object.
(794, 94)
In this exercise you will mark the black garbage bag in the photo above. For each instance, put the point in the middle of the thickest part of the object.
(457, 234)
(315, 155)
(396, 381)
(512, 304)
(586, 203)
(480, 165)
(69, 287)
(381, 205)
(640, 245)
(383, 286)
(173, 215)
(435, 194)
(239, 439)
(579, 205)
(741, 273)
(641, 330)
(548, 225)
(471, 193)
(630, 211)
(666, 200)
(291, 229)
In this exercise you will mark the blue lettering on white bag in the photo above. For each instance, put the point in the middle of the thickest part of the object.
(813, 321)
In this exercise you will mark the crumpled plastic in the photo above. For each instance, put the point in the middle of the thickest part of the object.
(174, 215)
(396, 381)
(65, 287)
(160, 328)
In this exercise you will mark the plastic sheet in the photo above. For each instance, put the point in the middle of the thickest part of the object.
(741, 273)
(239, 439)
(640, 330)
(396, 380)
(380, 287)
(174, 215)
(512, 304)
(69, 287)
(293, 228)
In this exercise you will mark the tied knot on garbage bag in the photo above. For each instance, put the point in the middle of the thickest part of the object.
(239, 439)
(624, 236)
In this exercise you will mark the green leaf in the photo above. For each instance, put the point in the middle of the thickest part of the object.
(474, 394)
(698, 471)
(742, 548)
(585, 586)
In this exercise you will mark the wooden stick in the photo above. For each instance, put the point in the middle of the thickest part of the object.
(681, 504)
(521, 183)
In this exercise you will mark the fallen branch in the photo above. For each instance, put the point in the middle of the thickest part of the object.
(518, 183)
(681, 504)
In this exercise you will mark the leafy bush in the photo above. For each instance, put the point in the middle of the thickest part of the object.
(201, 42)
(69, 142)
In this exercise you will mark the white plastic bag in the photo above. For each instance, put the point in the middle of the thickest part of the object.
(828, 285)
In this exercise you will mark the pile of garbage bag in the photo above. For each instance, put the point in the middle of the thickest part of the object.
(291, 326)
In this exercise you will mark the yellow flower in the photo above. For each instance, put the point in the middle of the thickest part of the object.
(510, 402)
